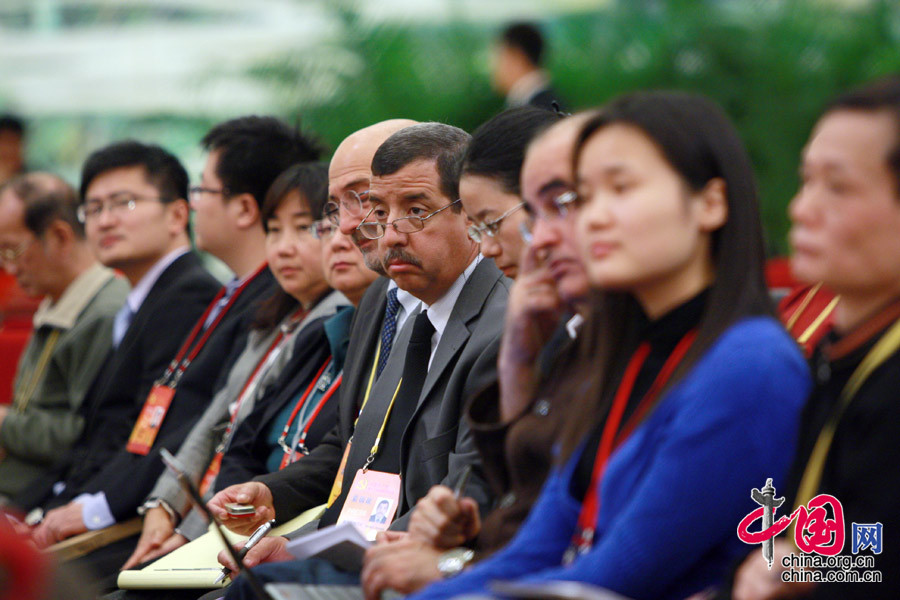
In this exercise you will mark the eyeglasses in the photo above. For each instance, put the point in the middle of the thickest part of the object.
(354, 203)
(374, 230)
(323, 230)
(195, 191)
(332, 213)
(490, 228)
(9, 255)
(118, 203)
(559, 207)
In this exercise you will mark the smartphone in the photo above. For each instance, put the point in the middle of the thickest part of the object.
(239, 510)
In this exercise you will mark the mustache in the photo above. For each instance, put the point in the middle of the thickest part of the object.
(400, 254)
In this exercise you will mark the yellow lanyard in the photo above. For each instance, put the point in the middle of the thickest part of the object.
(38, 372)
(387, 415)
(812, 474)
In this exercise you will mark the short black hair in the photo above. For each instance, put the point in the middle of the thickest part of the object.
(254, 150)
(444, 144)
(498, 146)
(879, 95)
(11, 122)
(527, 38)
(162, 169)
(310, 179)
(46, 198)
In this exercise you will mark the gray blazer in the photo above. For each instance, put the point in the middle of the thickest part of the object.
(437, 443)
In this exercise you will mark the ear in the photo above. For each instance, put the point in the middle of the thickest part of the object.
(245, 210)
(58, 237)
(713, 205)
(179, 215)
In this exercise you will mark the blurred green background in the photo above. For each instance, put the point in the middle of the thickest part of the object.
(85, 73)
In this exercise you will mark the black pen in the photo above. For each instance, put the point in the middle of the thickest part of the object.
(259, 534)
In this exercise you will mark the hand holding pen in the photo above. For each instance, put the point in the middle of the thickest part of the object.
(445, 518)
(259, 534)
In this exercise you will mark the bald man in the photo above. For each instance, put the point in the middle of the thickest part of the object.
(348, 183)
(42, 245)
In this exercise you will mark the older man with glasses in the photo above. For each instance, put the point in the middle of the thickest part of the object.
(42, 244)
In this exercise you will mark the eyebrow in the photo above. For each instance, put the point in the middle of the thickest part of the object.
(555, 183)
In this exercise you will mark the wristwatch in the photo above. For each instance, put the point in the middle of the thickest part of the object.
(158, 503)
(453, 561)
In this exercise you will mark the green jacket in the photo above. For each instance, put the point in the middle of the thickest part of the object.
(72, 339)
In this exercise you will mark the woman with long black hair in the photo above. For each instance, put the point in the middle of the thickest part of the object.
(688, 390)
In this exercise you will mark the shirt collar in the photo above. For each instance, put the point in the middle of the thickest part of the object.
(439, 312)
(408, 302)
(79, 293)
(139, 293)
(573, 325)
(526, 87)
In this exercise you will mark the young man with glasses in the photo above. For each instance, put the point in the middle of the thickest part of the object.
(136, 221)
(442, 354)
(42, 244)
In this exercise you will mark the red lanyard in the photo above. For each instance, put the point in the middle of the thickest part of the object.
(180, 364)
(301, 443)
(612, 437)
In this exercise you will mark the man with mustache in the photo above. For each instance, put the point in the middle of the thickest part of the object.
(424, 248)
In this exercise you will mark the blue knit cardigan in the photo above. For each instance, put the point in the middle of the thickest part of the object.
(674, 491)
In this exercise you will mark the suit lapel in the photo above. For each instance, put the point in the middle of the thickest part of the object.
(362, 348)
(467, 307)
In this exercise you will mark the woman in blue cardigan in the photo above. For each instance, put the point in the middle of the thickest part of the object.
(690, 390)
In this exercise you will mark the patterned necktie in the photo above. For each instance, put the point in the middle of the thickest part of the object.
(120, 324)
(388, 329)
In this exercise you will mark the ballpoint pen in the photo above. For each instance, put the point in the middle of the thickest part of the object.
(259, 534)
(463, 480)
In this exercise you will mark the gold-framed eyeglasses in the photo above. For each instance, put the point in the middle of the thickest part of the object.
(332, 213)
(118, 203)
(374, 230)
(490, 228)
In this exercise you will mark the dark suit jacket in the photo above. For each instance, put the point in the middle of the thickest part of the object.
(317, 470)
(545, 97)
(127, 478)
(117, 394)
(437, 443)
(250, 449)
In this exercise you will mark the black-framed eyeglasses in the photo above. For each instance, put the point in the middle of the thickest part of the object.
(374, 230)
(9, 255)
(332, 213)
(490, 228)
(118, 203)
(196, 190)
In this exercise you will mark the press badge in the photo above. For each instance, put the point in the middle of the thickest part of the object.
(371, 501)
(150, 420)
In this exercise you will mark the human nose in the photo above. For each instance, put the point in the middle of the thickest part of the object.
(802, 208)
(392, 237)
(107, 216)
(489, 246)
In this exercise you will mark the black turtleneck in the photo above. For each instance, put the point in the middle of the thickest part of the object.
(663, 334)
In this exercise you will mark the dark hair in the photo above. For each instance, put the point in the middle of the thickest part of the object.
(879, 95)
(527, 38)
(444, 144)
(46, 198)
(311, 180)
(253, 151)
(11, 122)
(498, 146)
(700, 144)
(161, 168)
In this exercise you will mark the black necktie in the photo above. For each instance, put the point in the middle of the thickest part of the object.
(415, 370)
